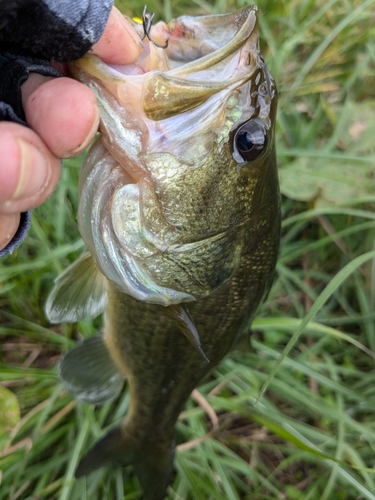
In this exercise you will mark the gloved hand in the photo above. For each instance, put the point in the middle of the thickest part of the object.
(63, 118)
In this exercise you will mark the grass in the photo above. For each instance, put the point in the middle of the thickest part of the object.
(311, 434)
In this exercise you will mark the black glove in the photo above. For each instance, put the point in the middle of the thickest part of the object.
(32, 32)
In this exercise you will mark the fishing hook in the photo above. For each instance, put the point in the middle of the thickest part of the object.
(147, 22)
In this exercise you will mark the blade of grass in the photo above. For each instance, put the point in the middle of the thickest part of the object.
(340, 277)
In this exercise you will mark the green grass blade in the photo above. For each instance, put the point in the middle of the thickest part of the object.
(340, 277)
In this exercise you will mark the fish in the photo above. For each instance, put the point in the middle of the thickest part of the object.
(180, 214)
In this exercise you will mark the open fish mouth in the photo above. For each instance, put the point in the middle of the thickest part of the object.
(206, 59)
(166, 123)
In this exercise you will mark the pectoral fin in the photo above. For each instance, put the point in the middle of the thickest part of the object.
(89, 373)
(182, 317)
(79, 293)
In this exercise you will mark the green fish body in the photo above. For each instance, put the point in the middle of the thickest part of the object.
(180, 213)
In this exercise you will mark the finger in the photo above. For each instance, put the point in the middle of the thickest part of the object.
(119, 44)
(8, 228)
(29, 172)
(63, 112)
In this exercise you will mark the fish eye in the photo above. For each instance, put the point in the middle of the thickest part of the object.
(250, 139)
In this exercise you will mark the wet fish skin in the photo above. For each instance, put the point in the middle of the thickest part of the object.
(161, 367)
(166, 379)
(160, 384)
(207, 236)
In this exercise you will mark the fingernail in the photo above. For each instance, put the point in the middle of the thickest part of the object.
(34, 171)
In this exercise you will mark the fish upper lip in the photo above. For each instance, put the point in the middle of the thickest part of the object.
(247, 30)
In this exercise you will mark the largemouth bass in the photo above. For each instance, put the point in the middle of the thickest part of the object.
(180, 213)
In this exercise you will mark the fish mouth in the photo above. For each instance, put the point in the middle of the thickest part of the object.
(202, 70)
(205, 55)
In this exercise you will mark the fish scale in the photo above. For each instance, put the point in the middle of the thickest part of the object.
(181, 220)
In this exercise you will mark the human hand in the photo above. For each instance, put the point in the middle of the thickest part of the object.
(63, 117)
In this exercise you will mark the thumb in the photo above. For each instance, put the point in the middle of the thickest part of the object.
(28, 170)
(8, 228)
